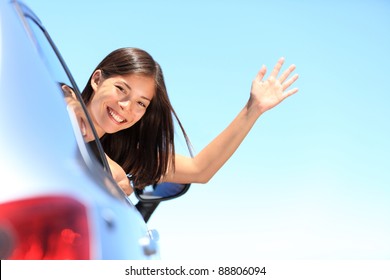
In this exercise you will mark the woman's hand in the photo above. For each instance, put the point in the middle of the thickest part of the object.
(75, 106)
(270, 92)
(120, 176)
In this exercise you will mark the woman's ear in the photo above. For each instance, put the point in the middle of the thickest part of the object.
(96, 79)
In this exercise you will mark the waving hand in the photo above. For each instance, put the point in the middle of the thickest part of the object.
(266, 94)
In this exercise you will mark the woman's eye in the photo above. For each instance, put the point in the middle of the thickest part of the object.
(142, 104)
(121, 89)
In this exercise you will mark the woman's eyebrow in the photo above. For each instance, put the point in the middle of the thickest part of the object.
(144, 97)
(126, 84)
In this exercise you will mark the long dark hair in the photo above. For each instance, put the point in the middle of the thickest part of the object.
(146, 150)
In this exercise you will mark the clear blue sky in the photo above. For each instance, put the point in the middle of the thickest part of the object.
(312, 180)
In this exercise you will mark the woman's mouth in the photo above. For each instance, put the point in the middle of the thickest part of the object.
(115, 116)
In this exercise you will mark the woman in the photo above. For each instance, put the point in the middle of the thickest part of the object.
(129, 105)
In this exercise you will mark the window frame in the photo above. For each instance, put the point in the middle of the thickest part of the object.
(30, 16)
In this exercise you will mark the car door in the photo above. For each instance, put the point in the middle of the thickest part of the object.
(48, 165)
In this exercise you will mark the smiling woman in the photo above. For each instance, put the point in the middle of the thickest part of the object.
(128, 101)
(120, 101)
(140, 113)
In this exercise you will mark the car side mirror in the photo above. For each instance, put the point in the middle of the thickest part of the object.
(161, 192)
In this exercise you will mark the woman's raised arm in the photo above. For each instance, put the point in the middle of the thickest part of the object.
(264, 95)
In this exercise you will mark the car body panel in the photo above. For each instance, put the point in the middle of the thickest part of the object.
(42, 150)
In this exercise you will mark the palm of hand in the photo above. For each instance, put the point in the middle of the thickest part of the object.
(270, 92)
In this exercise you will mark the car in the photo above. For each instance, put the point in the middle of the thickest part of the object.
(58, 199)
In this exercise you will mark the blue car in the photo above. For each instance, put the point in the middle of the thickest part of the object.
(58, 199)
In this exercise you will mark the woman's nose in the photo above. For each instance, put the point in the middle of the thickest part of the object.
(124, 104)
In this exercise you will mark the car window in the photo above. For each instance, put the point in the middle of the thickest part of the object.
(62, 76)
(48, 53)
(90, 143)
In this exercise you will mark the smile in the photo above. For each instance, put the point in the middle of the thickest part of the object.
(114, 115)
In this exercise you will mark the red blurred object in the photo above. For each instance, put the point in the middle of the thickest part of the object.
(51, 228)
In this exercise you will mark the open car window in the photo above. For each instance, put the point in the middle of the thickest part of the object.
(86, 136)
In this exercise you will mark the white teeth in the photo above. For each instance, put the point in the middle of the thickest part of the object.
(115, 116)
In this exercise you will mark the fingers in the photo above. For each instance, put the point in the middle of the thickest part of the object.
(287, 73)
(290, 81)
(283, 79)
(290, 92)
(277, 68)
(260, 75)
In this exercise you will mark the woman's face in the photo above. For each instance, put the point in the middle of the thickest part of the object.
(119, 101)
